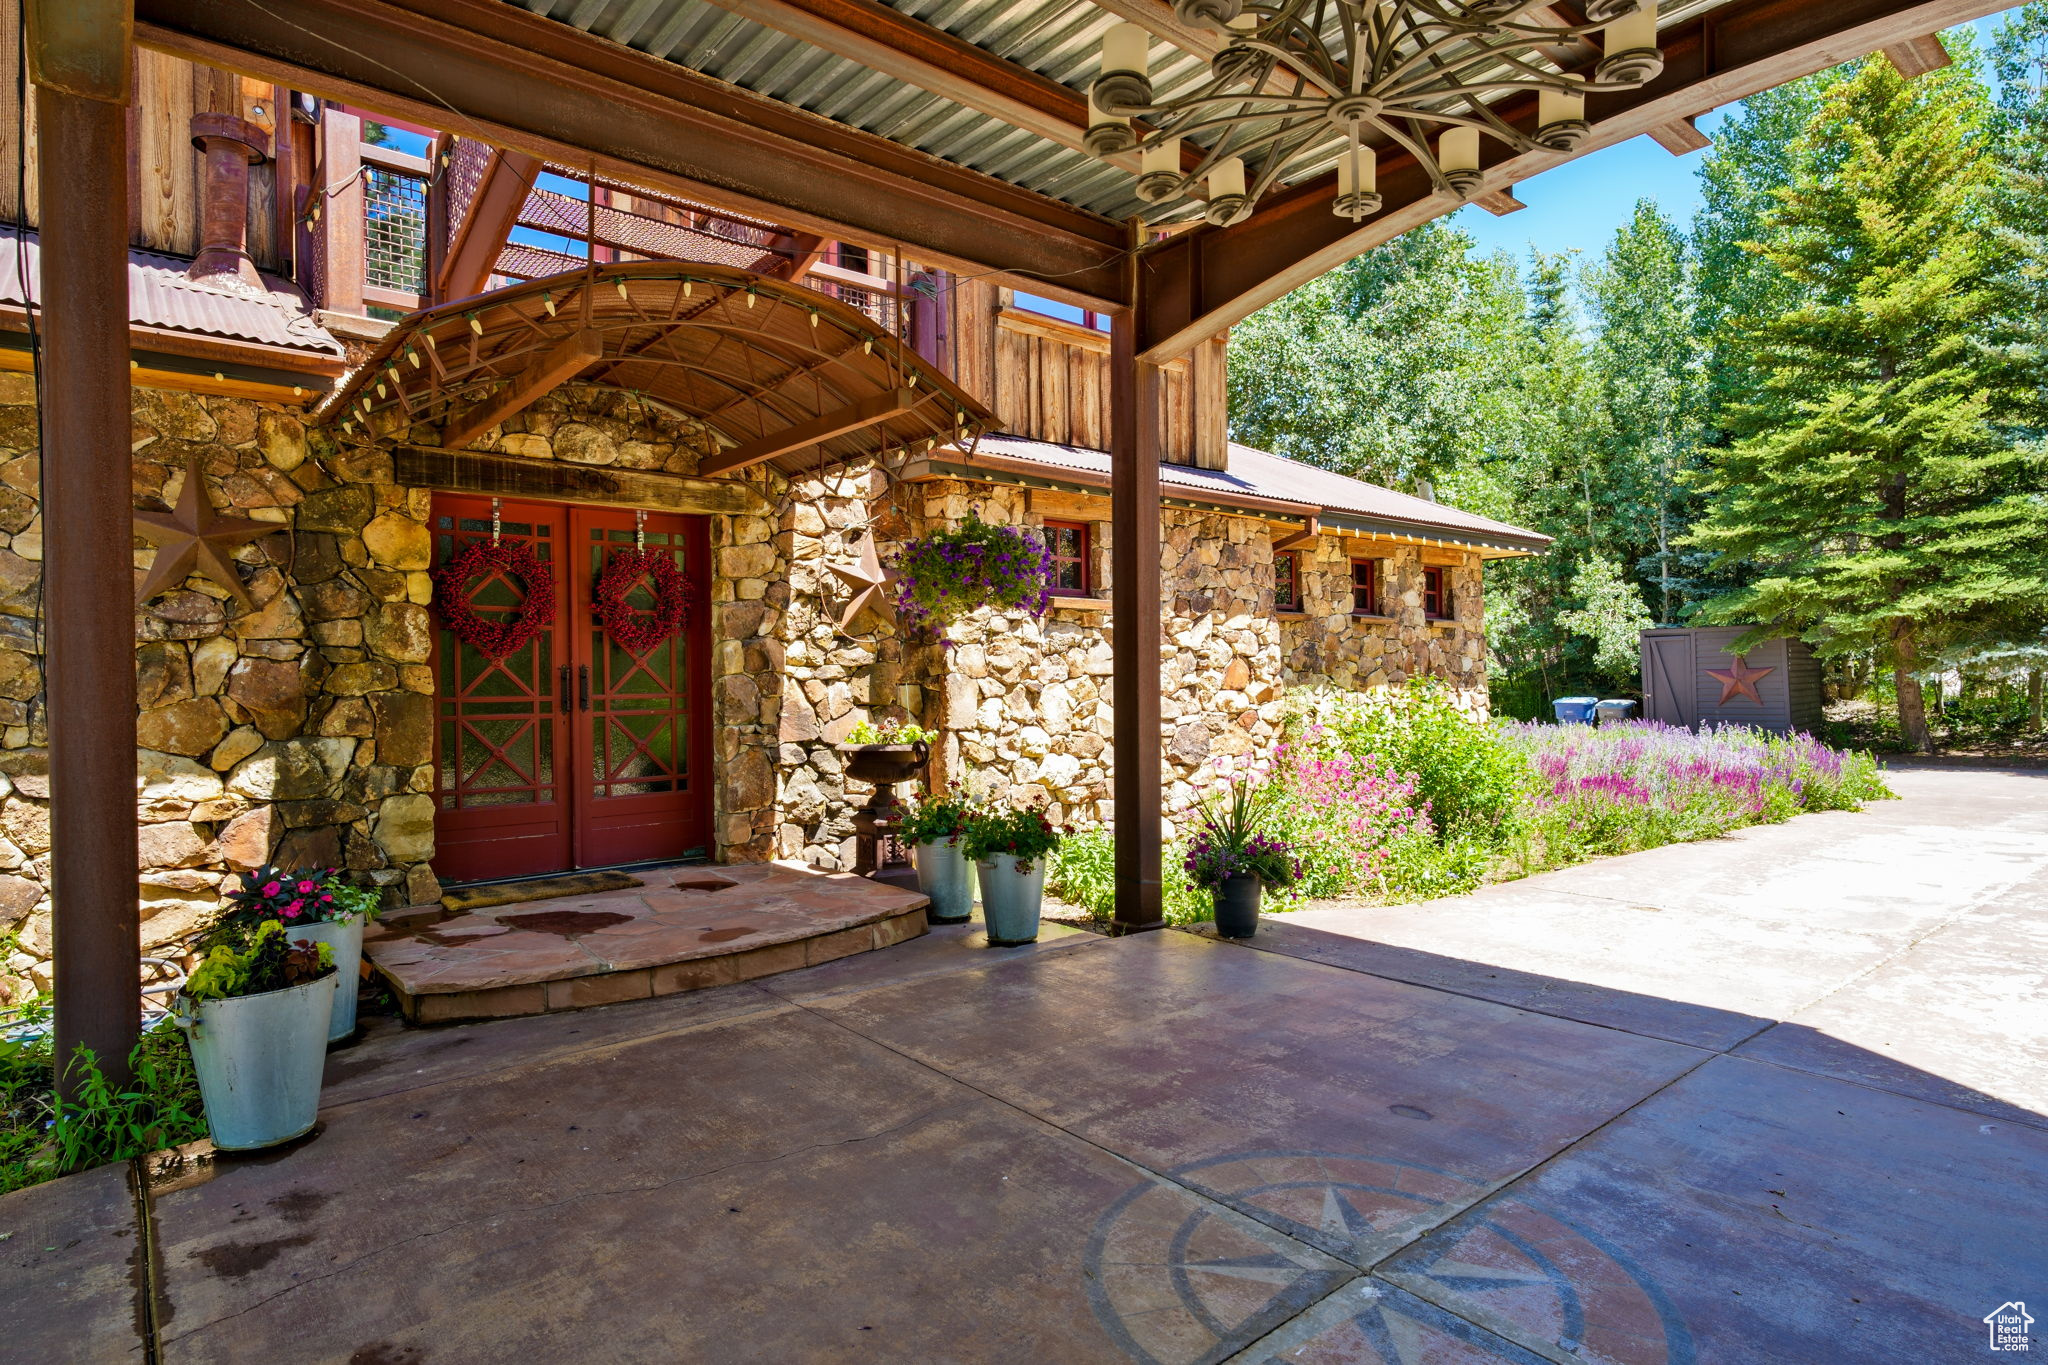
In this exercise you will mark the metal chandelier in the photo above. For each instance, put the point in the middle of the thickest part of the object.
(1300, 81)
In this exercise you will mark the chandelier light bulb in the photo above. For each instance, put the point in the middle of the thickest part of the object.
(1457, 155)
(1125, 82)
(1227, 200)
(1561, 119)
(1108, 134)
(1358, 182)
(1630, 43)
(1159, 177)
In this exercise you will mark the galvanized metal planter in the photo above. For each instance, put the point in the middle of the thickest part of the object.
(945, 875)
(346, 938)
(259, 1059)
(1010, 898)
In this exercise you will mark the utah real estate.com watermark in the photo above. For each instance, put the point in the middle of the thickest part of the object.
(2008, 1326)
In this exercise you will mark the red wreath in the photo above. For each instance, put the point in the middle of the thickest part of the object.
(496, 638)
(628, 628)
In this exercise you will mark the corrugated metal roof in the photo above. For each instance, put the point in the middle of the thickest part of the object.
(160, 295)
(1257, 473)
(1058, 39)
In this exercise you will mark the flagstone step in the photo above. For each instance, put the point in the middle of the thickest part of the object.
(687, 927)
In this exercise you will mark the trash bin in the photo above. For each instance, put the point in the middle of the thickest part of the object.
(1575, 710)
(1612, 709)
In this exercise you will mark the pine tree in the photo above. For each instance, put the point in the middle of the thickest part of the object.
(1647, 366)
(1869, 492)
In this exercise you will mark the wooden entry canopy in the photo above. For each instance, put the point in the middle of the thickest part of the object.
(782, 375)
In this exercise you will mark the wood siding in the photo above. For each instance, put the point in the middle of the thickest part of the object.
(163, 166)
(1048, 379)
(1791, 690)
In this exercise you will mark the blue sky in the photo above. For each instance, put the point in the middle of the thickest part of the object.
(1582, 203)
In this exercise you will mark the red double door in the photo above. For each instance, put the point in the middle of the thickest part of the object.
(572, 751)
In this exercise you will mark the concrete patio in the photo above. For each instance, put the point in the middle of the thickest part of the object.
(1775, 1098)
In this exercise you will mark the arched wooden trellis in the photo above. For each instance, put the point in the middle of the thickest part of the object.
(780, 374)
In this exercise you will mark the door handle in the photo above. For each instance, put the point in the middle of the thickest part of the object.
(565, 689)
(583, 687)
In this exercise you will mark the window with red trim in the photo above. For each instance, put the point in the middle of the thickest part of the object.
(1068, 541)
(1436, 594)
(1365, 587)
(1287, 580)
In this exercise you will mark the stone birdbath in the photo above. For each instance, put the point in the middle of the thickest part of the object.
(878, 852)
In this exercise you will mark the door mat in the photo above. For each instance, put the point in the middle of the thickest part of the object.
(540, 889)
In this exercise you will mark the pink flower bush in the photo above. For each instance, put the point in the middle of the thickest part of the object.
(1345, 813)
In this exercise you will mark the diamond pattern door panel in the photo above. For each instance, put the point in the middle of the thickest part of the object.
(642, 731)
(500, 729)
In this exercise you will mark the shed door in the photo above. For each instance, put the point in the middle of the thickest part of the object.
(1670, 682)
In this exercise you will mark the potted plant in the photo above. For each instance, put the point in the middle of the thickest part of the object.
(322, 908)
(1237, 877)
(257, 1014)
(1009, 849)
(936, 831)
(951, 572)
(888, 753)
(1231, 856)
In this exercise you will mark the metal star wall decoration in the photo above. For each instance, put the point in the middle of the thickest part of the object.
(1739, 680)
(871, 583)
(193, 537)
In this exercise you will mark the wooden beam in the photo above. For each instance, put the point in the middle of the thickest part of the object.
(1157, 18)
(855, 417)
(544, 87)
(1500, 203)
(1680, 137)
(931, 59)
(509, 476)
(1203, 281)
(1918, 56)
(1304, 536)
(542, 377)
(487, 226)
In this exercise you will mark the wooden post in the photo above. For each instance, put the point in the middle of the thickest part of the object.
(341, 216)
(1134, 452)
(88, 575)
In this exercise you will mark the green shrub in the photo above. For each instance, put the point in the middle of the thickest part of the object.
(1421, 868)
(1082, 871)
(1473, 781)
(42, 1138)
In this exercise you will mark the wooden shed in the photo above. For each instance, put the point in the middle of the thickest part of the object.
(1690, 679)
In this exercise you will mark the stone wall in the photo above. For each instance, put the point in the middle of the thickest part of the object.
(1024, 705)
(302, 731)
(1325, 645)
(299, 731)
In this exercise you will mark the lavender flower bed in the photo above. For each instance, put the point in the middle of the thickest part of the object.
(1639, 784)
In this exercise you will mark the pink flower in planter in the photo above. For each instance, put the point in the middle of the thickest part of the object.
(272, 888)
(291, 911)
(308, 887)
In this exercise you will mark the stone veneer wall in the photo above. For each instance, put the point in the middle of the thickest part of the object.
(299, 731)
(1025, 704)
(1326, 645)
(302, 732)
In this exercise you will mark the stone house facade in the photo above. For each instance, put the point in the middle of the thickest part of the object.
(315, 723)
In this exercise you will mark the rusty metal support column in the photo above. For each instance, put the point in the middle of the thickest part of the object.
(82, 54)
(1134, 448)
